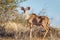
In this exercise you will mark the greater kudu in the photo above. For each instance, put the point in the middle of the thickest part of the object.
(34, 19)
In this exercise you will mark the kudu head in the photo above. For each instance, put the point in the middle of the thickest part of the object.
(25, 10)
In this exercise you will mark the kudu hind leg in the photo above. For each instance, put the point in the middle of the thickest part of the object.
(47, 29)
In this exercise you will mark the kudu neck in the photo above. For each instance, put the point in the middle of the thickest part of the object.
(26, 12)
(27, 15)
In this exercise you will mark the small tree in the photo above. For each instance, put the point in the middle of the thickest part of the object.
(42, 12)
(8, 9)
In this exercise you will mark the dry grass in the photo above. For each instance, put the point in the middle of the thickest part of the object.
(16, 31)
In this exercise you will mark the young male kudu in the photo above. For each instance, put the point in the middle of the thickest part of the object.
(33, 19)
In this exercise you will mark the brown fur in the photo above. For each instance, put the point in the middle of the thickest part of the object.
(41, 20)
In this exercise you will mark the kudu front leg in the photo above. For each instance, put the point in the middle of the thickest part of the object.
(31, 32)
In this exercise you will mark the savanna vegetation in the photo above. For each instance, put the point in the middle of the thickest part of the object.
(14, 27)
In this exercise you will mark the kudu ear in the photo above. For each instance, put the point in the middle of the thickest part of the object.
(22, 8)
(28, 8)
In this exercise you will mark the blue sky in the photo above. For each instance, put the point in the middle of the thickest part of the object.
(52, 8)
